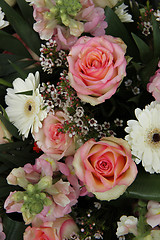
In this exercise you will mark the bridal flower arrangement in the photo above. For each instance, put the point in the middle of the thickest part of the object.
(79, 119)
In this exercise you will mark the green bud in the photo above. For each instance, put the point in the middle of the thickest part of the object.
(44, 183)
(47, 202)
(30, 189)
(36, 207)
(18, 196)
(54, 10)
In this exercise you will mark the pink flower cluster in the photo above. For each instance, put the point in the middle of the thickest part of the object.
(61, 194)
(89, 19)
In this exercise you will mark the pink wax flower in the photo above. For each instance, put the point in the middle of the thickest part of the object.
(97, 66)
(153, 214)
(105, 167)
(57, 230)
(54, 143)
(154, 84)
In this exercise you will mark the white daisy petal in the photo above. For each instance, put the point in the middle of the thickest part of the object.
(144, 137)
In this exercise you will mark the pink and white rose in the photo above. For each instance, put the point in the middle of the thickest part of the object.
(105, 167)
(97, 66)
(154, 84)
(53, 142)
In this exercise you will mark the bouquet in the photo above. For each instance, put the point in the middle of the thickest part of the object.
(79, 119)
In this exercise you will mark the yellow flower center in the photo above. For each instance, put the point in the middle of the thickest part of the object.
(29, 107)
(153, 137)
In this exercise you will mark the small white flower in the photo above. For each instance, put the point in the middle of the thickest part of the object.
(122, 13)
(25, 111)
(127, 225)
(144, 137)
(157, 15)
(3, 23)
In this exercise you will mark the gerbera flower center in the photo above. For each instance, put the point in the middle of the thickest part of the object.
(154, 137)
(29, 107)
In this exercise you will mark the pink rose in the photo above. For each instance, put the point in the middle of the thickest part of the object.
(106, 167)
(57, 230)
(96, 67)
(154, 85)
(53, 142)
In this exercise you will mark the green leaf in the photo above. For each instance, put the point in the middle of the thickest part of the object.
(148, 71)
(12, 145)
(26, 93)
(156, 36)
(13, 45)
(21, 27)
(144, 49)
(10, 127)
(26, 10)
(13, 229)
(117, 29)
(5, 83)
(145, 186)
(19, 70)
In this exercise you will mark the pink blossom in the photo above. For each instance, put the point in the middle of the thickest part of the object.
(54, 143)
(68, 170)
(10, 205)
(154, 85)
(153, 214)
(45, 165)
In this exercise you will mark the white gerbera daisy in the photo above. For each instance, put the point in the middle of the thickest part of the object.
(144, 137)
(25, 111)
(122, 13)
